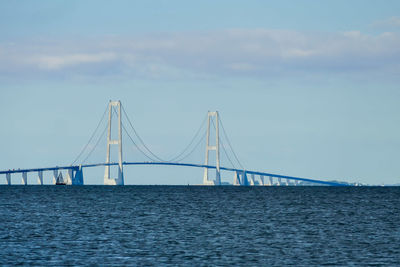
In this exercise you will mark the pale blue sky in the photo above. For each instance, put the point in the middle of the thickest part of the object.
(304, 88)
(43, 18)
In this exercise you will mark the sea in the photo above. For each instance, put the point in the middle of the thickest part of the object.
(199, 226)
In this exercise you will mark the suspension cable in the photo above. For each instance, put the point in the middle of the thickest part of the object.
(140, 139)
(93, 148)
(230, 145)
(178, 155)
(134, 143)
(194, 148)
(191, 142)
(223, 147)
(137, 147)
(130, 137)
(87, 144)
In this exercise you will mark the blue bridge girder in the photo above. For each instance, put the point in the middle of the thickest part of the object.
(77, 167)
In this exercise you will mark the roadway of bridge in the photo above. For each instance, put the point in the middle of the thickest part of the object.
(76, 167)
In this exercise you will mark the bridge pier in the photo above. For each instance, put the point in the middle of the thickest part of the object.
(252, 182)
(55, 175)
(8, 178)
(287, 182)
(78, 177)
(69, 175)
(261, 179)
(24, 178)
(40, 177)
(245, 181)
(236, 178)
(271, 181)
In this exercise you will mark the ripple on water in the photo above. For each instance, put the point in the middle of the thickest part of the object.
(193, 225)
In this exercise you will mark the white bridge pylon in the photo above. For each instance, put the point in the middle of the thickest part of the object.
(215, 148)
(120, 179)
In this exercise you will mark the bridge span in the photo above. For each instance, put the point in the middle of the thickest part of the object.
(241, 176)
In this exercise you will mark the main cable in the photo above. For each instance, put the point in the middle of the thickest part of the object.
(87, 144)
(223, 147)
(140, 139)
(93, 148)
(194, 148)
(134, 143)
(130, 137)
(230, 145)
(188, 146)
(178, 156)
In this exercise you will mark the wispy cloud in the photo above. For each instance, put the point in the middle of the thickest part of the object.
(228, 52)
(56, 62)
(389, 22)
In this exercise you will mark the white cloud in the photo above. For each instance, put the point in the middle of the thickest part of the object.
(56, 62)
(227, 52)
(389, 22)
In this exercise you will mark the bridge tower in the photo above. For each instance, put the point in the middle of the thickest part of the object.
(107, 179)
(215, 148)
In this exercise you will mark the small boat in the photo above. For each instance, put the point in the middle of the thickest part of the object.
(60, 180)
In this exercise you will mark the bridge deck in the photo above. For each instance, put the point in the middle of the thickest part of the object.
(76, 167)
(40, 169)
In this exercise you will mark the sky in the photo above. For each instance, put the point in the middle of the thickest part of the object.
(304, 88)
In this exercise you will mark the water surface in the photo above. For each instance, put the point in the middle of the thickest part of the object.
(194, 225)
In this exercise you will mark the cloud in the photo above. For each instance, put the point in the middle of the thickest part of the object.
(245, 52)
(389, 22)
(56, 62)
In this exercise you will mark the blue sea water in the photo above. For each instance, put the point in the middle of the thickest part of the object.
(195, 225)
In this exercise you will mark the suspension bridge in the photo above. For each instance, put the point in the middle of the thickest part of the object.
(214, 144)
